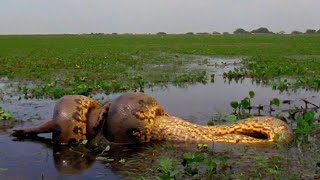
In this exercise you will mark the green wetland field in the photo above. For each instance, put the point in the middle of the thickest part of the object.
(207, 79)
(74, 64)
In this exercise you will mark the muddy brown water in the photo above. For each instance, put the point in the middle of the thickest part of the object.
(196, 103)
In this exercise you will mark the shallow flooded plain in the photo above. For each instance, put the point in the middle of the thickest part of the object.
(199, 103)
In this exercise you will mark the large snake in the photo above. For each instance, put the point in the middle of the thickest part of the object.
(139, 118)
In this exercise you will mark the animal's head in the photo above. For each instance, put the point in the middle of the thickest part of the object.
(131, 118)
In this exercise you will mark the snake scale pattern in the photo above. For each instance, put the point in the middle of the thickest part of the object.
(139, 118)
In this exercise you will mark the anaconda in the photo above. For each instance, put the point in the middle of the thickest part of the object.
(138, 118)
(75, 118)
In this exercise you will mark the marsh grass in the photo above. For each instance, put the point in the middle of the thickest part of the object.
(82, 64)
(119, 72)
(302, 72)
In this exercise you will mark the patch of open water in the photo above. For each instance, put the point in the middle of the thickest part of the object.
(197, 103)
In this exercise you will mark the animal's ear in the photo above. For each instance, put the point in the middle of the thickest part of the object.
(104, 112)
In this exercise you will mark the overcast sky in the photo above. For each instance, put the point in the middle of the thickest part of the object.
(151, 16)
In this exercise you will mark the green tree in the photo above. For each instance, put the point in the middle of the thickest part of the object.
(310, 31)
(240, 31)
(161, 33)
(202, 33)
(261, 30)
(215, 33)
(296, 32)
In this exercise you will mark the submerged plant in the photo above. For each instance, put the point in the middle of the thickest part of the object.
(199, 164)
(241, 107)
(306, 125)
(4, 115)
(166, 166)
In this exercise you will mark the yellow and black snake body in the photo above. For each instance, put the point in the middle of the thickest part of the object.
(139, 118)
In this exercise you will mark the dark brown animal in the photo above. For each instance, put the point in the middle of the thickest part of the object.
(75, 118)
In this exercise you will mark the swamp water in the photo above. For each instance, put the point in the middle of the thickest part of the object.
(197, 103)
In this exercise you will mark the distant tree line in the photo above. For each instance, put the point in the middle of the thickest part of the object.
(261, 30)
(264, 30)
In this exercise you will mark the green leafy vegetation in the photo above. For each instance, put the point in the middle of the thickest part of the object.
(241, 107)
(272, 166)
(4, 115)
(194, 165)
(166, 167)
(306, 125)
(287, 72)
(54, 65)
(305, 117)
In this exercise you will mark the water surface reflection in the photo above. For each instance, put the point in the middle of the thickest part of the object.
(197, 103)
